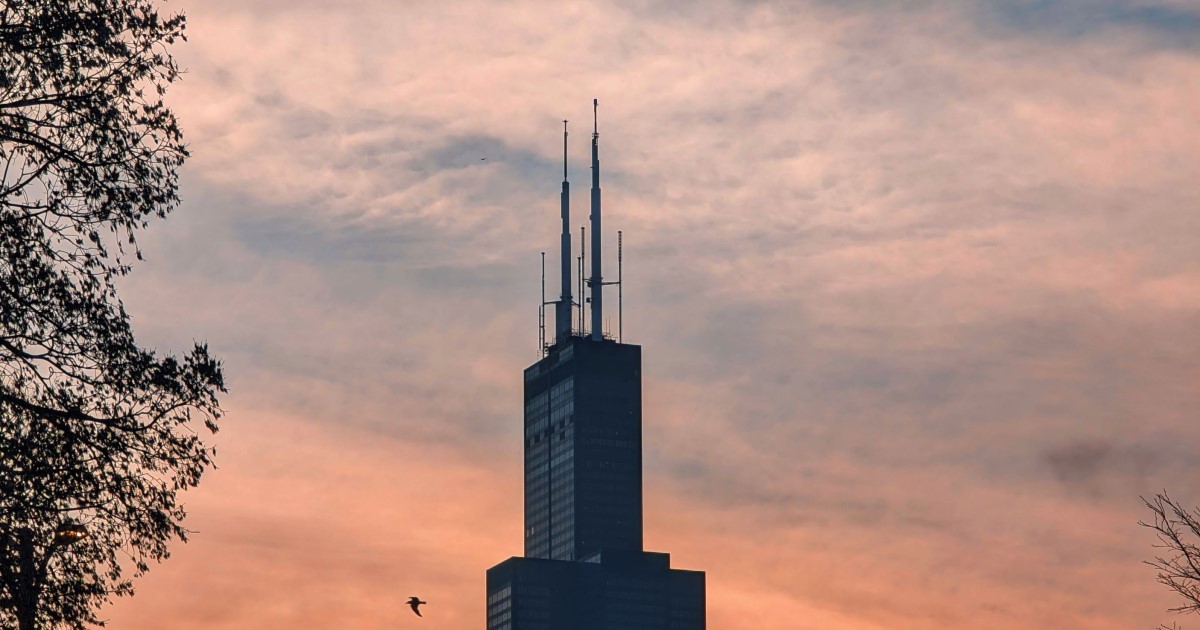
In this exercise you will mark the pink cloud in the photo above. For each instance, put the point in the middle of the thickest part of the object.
(887, 270)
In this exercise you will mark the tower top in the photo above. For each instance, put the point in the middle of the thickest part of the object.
(596, 282)
(591, 281)
(564, 304)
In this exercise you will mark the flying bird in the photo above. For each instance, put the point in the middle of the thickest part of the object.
(414, 603)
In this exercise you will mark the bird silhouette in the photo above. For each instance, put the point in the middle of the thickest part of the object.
(414, 602)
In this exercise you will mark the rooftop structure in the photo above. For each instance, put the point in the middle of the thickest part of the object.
(584, 566)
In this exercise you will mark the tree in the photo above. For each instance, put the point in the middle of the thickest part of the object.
(1178, 532)
(94, 429)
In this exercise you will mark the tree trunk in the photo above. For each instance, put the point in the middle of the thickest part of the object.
(27, 616)
(28, 582)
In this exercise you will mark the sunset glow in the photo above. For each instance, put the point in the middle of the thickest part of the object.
(917, 287)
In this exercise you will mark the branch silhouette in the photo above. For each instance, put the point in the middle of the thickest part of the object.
(1178, 561)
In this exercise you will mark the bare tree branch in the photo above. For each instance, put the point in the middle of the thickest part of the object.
(1178, 559)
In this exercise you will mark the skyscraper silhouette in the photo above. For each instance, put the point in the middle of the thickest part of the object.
(584, 567)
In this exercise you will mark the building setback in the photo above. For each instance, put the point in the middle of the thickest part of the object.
(584, 566)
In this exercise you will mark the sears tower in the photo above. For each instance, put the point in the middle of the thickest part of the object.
(584, 567)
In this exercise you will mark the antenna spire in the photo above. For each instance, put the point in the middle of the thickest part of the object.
(562, 310)
(596, 282)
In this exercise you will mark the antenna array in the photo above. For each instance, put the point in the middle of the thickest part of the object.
(593, 296)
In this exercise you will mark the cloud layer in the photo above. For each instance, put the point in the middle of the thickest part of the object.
(918, 286)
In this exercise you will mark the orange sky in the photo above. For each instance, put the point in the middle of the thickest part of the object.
(918, 287)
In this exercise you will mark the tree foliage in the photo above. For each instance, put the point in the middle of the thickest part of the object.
(93, 427)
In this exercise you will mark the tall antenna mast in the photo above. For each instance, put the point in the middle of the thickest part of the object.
(596, 280)
(620, 292)
(583, 271)
(579, 260)
(562, 310)
(542, 313)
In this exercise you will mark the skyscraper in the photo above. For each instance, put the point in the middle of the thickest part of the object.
(584, 566)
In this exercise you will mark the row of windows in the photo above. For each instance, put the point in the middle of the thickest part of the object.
(562, 411)
(503, 593)
(537, 475)
(535, 508)
(536, 484)
(687, 614)
(536, 414)
(638, 610)
(529, 613)
(539, 433)
(536, 469)
(564, 476)
(616, 467)
(562, 521)
(609, 502)
(565, 456)
(535, 513)
(561, 517)
(536, 487)
(550, 467)
(628, 593)
(537, 405)
(532, 372)
(562, 390)
(562, 402)
(611, 443)
(536, 492)
(499, 609)
(565, 551)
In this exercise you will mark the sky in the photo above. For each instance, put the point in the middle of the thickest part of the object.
(917, 285)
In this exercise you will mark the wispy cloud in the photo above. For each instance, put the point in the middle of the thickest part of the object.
(1173, 25)
(917, 285)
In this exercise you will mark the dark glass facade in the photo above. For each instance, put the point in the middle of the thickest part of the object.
(584, 567)
(583, 450)
(624, 590)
